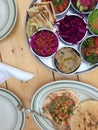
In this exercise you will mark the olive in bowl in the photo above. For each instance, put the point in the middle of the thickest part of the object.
(72, 29)
(89, 49)
(67, 60)
(60, 6)
(44, 43)
(83, 6)
(93, 22)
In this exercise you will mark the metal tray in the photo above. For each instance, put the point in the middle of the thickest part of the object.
(48, 62)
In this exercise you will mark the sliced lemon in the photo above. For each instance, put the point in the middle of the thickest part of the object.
(31, 27)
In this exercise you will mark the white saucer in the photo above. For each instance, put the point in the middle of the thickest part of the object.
(10, 117)
(8, 15)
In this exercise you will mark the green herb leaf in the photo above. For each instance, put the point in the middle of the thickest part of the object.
(52, 107)
(57, 2)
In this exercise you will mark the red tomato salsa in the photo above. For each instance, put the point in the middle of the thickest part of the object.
(44, 43)
(59, 5)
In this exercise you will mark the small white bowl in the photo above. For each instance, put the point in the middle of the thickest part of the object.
(67, 60)
(90, 15)
(82, 12)
(88, 50)
(44, 41)
(73, 29)
(66, 9)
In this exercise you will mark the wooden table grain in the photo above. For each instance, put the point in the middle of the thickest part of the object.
(14, 51)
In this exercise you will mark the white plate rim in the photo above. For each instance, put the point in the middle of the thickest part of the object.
(10, 25)
(77, 86)
(4, 92)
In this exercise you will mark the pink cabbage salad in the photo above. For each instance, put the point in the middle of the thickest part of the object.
(71, 28)
(44, 43)
(85, 2)
(89, 3)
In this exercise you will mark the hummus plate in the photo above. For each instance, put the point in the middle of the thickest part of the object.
(82, 90)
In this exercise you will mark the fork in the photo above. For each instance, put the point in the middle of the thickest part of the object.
(27, 110)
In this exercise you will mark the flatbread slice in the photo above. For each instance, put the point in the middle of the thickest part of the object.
(85, 116)
(32, 13)
(50, 8)
(41, 21)
(36, 9)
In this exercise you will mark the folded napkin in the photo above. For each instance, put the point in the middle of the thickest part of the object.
(7, 71)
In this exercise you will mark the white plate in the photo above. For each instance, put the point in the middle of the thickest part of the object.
(10, 117)
(8, 15)
(82, 90)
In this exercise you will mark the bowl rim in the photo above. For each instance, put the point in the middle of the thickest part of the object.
(80, 48)
(88, 23)
(83, 12)
(73, 72)
(82, 18)
(65, 10)
(45, 29)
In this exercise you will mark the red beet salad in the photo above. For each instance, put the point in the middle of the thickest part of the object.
(44, 43)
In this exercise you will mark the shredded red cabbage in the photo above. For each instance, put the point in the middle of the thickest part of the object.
(71, 28)
(44, 43)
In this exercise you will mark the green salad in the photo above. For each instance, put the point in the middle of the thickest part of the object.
(89, 49)
(93, 21)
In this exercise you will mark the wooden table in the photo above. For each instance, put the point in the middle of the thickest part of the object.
(14, 51)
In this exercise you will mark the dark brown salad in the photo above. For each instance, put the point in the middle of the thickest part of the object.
(67, 60)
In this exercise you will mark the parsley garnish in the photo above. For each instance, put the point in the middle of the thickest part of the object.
(57, 2)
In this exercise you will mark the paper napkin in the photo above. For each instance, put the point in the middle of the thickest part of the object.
(7, 71)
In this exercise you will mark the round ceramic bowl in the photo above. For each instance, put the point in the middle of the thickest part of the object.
(83, 6)
(66, 4)
(72, 29)
(60, 6)
(67, 60)
(89, 49)
(93, 22)
(44, 43)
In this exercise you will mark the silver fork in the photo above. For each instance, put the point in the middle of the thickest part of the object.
(27, 110)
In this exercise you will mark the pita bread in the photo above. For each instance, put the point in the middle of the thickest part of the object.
(36, 9)
(50, 8)
(85, 116)
(41, 21)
